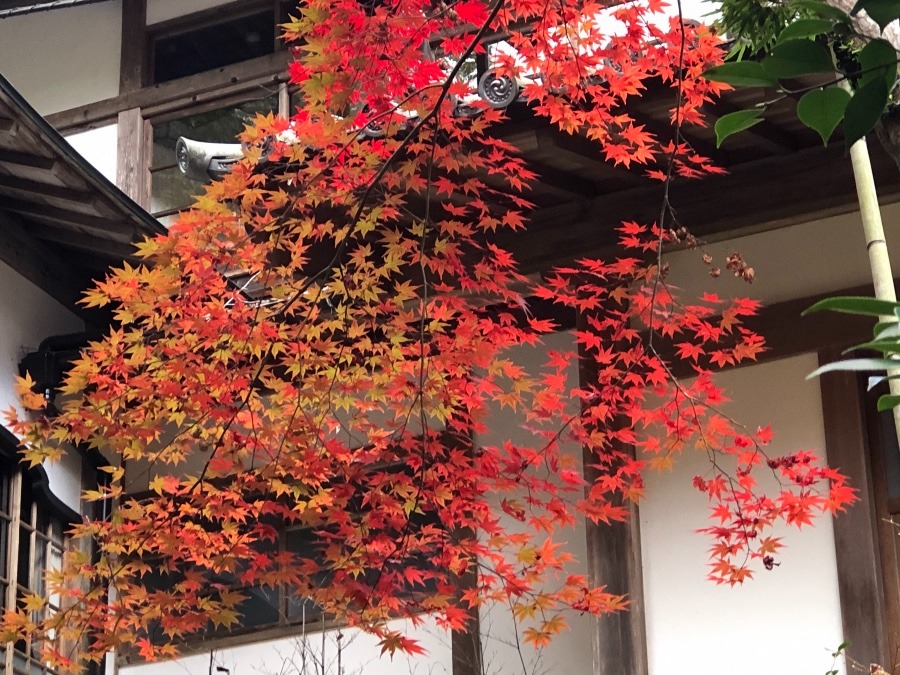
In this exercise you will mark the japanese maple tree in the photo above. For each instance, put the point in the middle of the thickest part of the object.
(339, 389)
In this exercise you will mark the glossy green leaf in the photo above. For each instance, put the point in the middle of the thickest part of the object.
(737, 121)
(878, 59)
(854, 304)
(805, 28)
(864, 110)
(881, 12)
(742, 74)
(886, 329)
(885, 346)
(855, 365)
(822, 110)
(888, 402)
(798, 57)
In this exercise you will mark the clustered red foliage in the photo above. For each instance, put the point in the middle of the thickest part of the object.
(386, 332)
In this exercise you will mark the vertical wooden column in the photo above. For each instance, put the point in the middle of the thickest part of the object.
(855, 534)
(133, 59)
(135, 146)
(614, 560)
(465, 645)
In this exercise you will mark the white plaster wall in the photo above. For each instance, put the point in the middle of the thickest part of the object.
(163, 10)
(63, 58)
(27, 316)
(794, 262)
(359, 655)
(784, 621)
(98, 147)
(570, 652)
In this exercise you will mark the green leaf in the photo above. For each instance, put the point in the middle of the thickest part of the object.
(855, 365)
(822, 110)
(881, 12)
(805, 28)
(886, 329)
(854, 304)
(864, 110)
(798, 57)
(887, 402)
(878, 59)
(823, 10)
(885, 346)
(741, 74)
(734, 122)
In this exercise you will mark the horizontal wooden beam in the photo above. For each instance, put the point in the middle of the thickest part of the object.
(55, 214)
(26, 187)
(50, 272)
(161, 98)
(764, 194)
(26, 159)
(113, 250)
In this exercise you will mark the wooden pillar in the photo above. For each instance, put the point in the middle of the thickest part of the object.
(135, 146)
(855, 535)
(614, 561)
(133, 60)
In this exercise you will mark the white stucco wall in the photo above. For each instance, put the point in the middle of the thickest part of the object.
(63, 58)
(356, 652)
(783, 621)
(794, 262)
(27, 316)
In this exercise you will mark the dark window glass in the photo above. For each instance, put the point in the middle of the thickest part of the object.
(214, 46)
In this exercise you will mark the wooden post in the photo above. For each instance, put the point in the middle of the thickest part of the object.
(855, 536)
(135, 147)
(133, 59)
(614, 560)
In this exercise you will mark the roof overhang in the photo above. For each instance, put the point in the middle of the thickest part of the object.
(62, 223)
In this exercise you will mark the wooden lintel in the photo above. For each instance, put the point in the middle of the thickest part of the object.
(161, 98)
(26, 187)
(27, 159)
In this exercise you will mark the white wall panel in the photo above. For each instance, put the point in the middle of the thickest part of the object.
(63, 58)
(784, 621)
(98, 147)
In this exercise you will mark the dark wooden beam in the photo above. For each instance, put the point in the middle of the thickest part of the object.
(855, 532)
(112, 250)
(168, 96)
(765, 194)
(29, 188)
(26, 159)
(135, 145)
(31, 259)
(133, 62)
(55, 214)
(6, 124)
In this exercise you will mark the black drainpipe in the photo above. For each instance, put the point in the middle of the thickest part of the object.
(48, 365)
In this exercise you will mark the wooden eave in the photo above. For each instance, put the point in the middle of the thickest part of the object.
(778, 174)
(62, 224)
